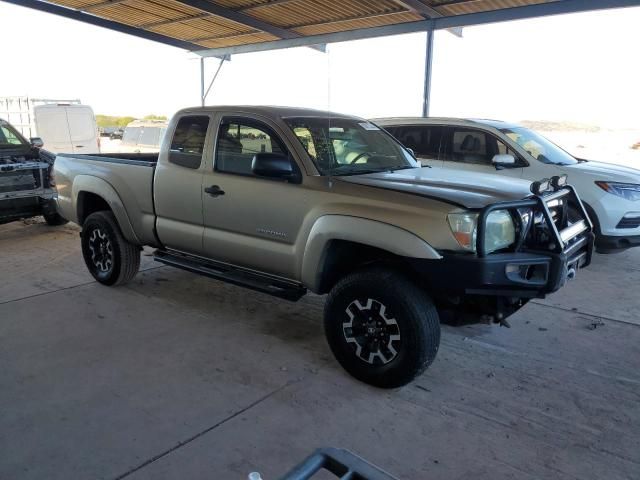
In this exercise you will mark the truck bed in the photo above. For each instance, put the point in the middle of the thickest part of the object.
(126, 179)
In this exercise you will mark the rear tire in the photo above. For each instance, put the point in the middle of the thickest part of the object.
(110, 258)
(381, 327)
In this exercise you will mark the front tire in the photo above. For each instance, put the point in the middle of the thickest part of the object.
(54, 219)
(110, 258)
(381, 327)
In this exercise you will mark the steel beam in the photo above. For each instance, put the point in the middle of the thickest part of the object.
(239, 17)
(440, 23)
(428, 64)
(324, 38)
(418, 7)
(102, 22)
(246, 20)
(202, 81)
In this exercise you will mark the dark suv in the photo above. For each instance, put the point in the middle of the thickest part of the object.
(26, 186)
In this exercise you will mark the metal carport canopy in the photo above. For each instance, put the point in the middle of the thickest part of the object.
(224, 27)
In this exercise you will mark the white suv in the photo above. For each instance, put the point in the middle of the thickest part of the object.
(610, 192)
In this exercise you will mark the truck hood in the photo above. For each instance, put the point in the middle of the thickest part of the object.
(464, 189)
(604, 171)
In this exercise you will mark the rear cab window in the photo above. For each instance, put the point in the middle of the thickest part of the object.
(187, 144)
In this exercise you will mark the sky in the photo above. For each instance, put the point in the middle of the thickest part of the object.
(578, 67)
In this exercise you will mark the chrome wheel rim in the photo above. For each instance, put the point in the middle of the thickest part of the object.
(101, 250)
(373, 334)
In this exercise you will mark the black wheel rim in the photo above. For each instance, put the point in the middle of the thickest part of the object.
(101, 251)
(372, 332)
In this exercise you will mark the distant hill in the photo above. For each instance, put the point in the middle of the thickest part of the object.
(548, 126)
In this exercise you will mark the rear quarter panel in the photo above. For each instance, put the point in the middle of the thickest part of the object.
(126, 187)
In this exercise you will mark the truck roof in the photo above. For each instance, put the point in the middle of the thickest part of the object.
(269, 111)
(444, 121)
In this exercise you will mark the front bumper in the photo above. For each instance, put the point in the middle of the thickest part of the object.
(516, 274)
(547, 252)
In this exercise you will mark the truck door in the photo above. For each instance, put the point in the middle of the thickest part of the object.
(249, 220)
(178, 184)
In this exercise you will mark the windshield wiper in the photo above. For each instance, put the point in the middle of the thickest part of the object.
(350, 170)
(353, 170)
(400, 167)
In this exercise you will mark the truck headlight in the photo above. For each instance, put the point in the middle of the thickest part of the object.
(464, 227)
(500, 232)
(630, 191)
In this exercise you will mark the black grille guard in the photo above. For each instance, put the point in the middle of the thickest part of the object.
(574, 240)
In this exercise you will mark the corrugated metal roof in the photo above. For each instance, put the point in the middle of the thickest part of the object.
(243, 25)
(184, 20)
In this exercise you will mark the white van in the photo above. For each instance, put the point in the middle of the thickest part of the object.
(143, 136)
(65, 126)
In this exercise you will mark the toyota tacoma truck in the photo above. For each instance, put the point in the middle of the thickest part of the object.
(285, 201)
(26, 189)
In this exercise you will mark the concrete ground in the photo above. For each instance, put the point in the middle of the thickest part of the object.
(178, 376)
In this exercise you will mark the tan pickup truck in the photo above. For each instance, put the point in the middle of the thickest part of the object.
(285, 200)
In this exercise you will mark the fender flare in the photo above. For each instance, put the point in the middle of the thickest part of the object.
(104, 190)
(373, 233)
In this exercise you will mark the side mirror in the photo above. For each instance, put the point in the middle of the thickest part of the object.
(505, 160)
(410, 150)
(275, 165)
(36, 142)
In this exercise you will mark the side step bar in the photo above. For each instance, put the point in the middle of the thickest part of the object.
(261, 282)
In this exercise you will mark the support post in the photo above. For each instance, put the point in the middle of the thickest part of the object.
(428, 63)
(202, 96)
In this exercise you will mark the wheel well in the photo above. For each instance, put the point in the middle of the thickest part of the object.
(89, 203)
(342, 257)
(593, 217)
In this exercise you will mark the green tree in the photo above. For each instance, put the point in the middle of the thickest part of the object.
(154, 117)
(112, 121)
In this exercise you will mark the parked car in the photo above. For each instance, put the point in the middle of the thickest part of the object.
(63, 125)
(107, 131)
(26, 187)
(116, 134)
(611, 193)
(285, 200)
(142, 136)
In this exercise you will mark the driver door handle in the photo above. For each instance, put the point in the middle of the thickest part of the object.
(214, 191)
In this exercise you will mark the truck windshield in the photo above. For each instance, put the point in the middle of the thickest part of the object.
(9, 137)
(340, 146)
(539, 147)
